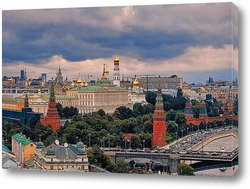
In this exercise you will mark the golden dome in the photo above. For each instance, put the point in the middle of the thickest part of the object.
(136, 82)
(86, 84)
(104, 78)
(202, 90)
(79, 80)
(106, 70)
(116, 59)
(72, 84)
(82, 84)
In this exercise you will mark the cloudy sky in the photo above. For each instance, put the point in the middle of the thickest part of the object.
(193, 41)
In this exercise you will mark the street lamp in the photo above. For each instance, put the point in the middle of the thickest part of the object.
(89, 139)
(125, 141)
(181, 133)
(143, 144)
(129, 144)
(202, 143)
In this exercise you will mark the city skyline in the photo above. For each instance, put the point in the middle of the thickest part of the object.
(193, 41)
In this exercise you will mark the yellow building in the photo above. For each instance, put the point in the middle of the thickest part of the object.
(23, 148)
(12, 103)
(65, 157)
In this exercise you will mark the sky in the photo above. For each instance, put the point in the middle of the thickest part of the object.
(193, 41)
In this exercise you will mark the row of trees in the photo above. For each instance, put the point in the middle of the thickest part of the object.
(169, 102)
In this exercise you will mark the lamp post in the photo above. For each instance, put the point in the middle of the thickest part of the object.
(129, 144)
(143, 144)
(125, 141)
(89, 140)
(202, 144)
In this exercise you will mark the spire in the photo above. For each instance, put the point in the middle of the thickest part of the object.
(59, 70)
(26, 101)
(52, 91)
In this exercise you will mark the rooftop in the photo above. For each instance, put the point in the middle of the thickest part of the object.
(21, 139)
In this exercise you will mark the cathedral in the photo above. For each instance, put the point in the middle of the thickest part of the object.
(136, 93)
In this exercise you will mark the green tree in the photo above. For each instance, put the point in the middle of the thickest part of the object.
(184, 169)
(101, 112)
(195, 108)
(171, 115)
(121, 166)
(148, 127)
(180, 118)
(123, 112)
(33, 121)
(59, 109)
(150, 97)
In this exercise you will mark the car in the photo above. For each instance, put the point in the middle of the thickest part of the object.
(183, 152)
(214, 154)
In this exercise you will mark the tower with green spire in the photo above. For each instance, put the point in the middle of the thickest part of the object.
(52, 118)
(159, 122)
(203, 109)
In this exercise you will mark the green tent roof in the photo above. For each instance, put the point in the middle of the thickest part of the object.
(21, 139)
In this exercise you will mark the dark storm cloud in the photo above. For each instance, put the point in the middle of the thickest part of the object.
(79, 34)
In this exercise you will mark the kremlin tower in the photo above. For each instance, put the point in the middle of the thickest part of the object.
(52, 118)
(116, 75)
(203, 110)
(159, 122)
(188, 110)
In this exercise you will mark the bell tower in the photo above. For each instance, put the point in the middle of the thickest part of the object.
(116, 75)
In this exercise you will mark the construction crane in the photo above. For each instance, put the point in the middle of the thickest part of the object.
(146, 80)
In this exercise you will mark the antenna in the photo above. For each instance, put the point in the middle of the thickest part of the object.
(57, 142)
(65, 145)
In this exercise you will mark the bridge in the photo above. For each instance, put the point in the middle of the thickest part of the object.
(205, 156)
(198, 152)
(214, 137)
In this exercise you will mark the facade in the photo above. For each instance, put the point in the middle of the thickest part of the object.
(22, 116)
(152, 83)
(159, 123)
(52, 118)
(103, 95)
(57, 157)
(223, 93)
(93, 98)
(23, 148)
(116, 75)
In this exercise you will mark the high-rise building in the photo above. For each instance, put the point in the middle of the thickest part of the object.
(159, 122)
(44, 77)
(59, 77)
(52, 118)
(22, 75)
(116, 75)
